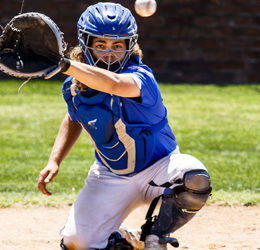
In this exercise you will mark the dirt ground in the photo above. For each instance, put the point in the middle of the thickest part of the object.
(214, 227)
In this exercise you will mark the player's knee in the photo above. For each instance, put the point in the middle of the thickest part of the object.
(194, 191)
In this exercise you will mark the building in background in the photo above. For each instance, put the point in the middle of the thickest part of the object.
(186, 41)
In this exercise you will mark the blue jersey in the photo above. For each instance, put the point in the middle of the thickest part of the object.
(129, 134)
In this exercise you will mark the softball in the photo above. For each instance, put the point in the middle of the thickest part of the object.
(145, 8)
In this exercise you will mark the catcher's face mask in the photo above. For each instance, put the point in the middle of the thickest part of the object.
(108, 53)
(107, 21)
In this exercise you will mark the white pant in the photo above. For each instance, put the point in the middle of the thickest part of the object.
(107, 199)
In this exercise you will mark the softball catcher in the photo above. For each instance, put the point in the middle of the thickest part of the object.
(115, 98)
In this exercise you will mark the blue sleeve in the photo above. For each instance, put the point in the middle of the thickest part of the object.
(68, 98)
(149, 87)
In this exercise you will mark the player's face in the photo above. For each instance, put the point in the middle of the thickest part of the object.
(110, 50)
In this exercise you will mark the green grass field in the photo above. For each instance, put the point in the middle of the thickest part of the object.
(218, 125)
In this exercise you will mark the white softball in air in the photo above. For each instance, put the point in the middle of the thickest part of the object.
(145, 8)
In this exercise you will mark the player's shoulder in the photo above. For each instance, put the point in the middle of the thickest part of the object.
(66, 88)
(67, 83)
(136, 65)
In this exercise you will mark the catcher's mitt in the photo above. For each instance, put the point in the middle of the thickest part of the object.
(31, 46)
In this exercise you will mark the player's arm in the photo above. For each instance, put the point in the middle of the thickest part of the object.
(103, 80)
(68, 134)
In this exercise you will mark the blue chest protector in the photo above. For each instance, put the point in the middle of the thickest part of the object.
(122, 147)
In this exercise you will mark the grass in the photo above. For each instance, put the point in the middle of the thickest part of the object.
(219, 125)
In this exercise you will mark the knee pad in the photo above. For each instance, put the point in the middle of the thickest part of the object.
(194, 191)
(181, 203)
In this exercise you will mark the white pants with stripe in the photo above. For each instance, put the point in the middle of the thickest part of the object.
(107, 199)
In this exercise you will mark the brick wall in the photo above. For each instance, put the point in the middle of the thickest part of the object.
(204, 41)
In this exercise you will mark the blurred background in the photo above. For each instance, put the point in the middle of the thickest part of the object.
(185, 41)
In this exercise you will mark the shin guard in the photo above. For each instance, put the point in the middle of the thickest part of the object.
(179, 205)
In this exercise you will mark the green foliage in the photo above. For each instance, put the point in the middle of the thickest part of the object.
(218, 125)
